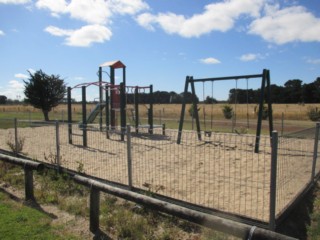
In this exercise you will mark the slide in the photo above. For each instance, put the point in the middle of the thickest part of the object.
(94, 113)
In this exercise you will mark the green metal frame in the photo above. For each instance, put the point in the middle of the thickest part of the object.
(265, 84)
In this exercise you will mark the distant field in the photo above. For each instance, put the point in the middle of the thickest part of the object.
(294, 115)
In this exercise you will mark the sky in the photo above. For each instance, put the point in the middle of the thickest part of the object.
(160, 42)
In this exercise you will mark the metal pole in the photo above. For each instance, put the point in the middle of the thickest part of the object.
(183, 108)
(100, 98)
(122, 110)
(195, 107)
(15, 121)
(315, 153)
(150, 112)
(84, 117)
(273, 181)
(58, 145)
(69, 116)
(282, 123)
(129, 156)
(136, 108)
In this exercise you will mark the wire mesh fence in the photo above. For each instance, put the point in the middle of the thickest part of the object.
(221, 172)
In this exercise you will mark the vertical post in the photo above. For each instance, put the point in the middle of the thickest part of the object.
(136, 108)
(259, 124)
(57, 145)
(84, 117)
(94, 209)
(69, 116)
(122, 110)
(107, 112)
(15, 122)
(282, 123)
(163, 129)
(100, 98)
(195, 108)
(315, 153)
(129, 156)
(269, 98)
(28, 183)
(183, 109)
(273, 181)
(112, 93)
(150, 112)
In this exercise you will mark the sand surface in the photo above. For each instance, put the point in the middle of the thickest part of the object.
(220, 172)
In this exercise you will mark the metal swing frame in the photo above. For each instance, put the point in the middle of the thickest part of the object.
(265, 85)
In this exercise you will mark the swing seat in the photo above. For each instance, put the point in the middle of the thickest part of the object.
(207, 133)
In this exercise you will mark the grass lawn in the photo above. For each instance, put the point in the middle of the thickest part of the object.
(19, 221)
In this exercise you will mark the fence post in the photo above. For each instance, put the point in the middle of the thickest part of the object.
(129, 156)
(15, 122)
(273, 181)
(28, 183)
(57, 145)
(315, 153)
(94, 209)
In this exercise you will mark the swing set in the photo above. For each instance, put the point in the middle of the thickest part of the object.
(265, 85)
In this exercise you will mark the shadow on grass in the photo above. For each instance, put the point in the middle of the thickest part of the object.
(298, 223)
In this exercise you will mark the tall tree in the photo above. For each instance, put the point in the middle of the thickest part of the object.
(44, 92)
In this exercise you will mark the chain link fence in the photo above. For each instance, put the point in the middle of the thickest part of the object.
(221, 172)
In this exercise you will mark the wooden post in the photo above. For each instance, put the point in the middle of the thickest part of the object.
(28, 183)
(94, 209)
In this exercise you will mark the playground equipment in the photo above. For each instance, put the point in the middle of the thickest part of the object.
(115, 101)
(265, 84)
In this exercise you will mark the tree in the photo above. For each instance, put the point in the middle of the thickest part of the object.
(44, 92)
(3, 99)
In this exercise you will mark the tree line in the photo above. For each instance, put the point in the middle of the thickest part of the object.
(293, 91)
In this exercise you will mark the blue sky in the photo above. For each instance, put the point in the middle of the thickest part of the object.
(160, 41)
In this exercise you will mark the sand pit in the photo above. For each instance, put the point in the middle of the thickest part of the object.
(221, 172)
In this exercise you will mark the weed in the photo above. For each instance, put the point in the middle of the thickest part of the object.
(15, 147)
(313, 114)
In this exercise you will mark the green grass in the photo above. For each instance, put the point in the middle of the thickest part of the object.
(22, 222)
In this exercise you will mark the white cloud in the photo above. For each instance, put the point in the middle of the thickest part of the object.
(1, 33)
(21, 76)
(92, 11)
(210, 60)
(15, 1)
(97, 13)
(286, 25)
(215, 17)
(313, 61)
(249, 57)
(82, 37)
(13, 90)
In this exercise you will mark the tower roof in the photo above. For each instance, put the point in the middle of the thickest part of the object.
(113, 64)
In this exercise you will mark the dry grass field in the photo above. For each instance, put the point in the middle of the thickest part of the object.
(287, 117)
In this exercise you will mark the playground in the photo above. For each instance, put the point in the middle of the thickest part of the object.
(249, 177)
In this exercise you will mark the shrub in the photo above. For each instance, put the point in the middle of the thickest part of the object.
(313, 114)
(191, 111)
(227, 111)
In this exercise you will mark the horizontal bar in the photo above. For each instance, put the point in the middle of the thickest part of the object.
(22, 162)
(220, 224)
(227, 78)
